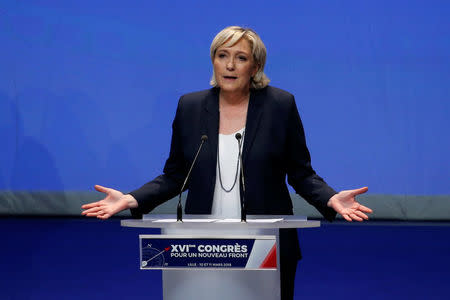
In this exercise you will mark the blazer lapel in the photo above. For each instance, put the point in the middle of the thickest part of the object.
(211, 121)
(253, 118)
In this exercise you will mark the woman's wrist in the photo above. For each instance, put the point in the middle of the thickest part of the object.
(330, 202)
(131, 202)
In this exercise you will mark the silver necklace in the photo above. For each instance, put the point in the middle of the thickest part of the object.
(237, 169)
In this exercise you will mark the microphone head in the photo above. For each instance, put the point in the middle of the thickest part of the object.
(204, 138)
(238, 136)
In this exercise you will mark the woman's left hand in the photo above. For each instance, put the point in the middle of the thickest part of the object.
(344, 203)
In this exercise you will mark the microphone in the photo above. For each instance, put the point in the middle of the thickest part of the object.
(238, 136)
(179, 206)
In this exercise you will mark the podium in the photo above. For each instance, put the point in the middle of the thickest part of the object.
(202, 278)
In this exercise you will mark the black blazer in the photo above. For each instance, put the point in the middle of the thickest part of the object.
(274, 147)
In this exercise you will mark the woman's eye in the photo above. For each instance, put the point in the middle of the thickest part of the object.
(221, 55)
(242, 58)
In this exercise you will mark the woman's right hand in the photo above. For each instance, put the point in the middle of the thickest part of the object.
(114, 202)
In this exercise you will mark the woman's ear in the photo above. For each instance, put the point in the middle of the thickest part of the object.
(255, 70)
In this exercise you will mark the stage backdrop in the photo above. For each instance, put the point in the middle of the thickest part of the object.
(88, 91)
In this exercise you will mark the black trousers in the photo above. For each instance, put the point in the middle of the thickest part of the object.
(288, 267)
(289, 257)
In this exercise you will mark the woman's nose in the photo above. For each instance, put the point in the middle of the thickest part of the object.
(230, 64)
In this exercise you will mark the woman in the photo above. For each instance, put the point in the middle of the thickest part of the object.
(274, 147)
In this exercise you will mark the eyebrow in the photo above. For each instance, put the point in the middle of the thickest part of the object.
(226, 50)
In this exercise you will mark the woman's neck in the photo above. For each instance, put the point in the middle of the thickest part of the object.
(233, 112)
(234, 98)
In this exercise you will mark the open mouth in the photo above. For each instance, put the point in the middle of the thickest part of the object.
(230, 77)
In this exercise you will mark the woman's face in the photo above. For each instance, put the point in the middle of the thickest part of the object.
(234, 67)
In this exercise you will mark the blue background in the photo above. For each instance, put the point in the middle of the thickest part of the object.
(88, 89)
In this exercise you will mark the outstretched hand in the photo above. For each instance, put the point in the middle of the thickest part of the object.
(345, 204)
(114, 202)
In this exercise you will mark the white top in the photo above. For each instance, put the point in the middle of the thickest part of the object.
(227, 204)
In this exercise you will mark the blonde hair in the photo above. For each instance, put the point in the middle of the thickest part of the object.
(231, 35)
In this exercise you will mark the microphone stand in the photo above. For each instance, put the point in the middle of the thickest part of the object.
(238, 136)
(179, 206)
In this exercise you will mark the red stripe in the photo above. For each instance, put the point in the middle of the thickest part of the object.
(271, 259)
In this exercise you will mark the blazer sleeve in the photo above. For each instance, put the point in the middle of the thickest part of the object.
(301, 175)
(167, 185)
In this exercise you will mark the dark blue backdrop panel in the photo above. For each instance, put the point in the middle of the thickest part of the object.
(92, 259)
(88, 90)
